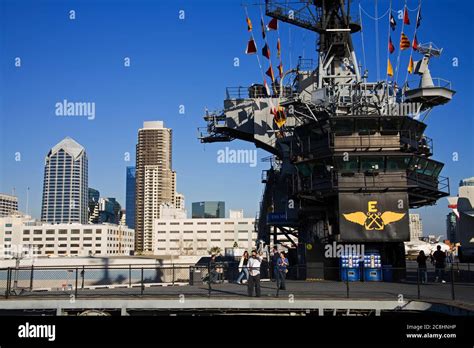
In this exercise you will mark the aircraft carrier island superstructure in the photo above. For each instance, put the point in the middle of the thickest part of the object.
(349, 156)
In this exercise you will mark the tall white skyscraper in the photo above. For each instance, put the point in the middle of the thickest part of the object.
(65, 186)
(154, 181)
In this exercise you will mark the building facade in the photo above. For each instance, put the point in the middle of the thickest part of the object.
(130, 197)
(19, 232)
(8, 204)
(463, 209)
(451, 226)
(179, 201)
(416, 227)
(106, 210)
(65, 185)
(154, 180)
(208, 210)
(198, 236)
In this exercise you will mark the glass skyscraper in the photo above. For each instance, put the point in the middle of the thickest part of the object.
(65, 185)
(130, 198)
(208, 209)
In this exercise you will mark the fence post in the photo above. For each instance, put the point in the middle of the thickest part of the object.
(83, 275)
(191, 275)
(418, 281)
(77, 277)
(9, 279)
(130, 276)
(452, 283)
(142, 285)
(173, 274)
(209, 279)
(347, 282)
(276, 284)
(31, 277)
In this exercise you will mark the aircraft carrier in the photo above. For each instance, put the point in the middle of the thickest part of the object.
(349, 157)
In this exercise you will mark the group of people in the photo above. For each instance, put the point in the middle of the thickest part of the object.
(438, 259)
(250, 268)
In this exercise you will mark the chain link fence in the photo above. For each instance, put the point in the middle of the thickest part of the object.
(453, 283)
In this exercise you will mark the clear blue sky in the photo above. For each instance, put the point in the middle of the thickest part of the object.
(182, 62)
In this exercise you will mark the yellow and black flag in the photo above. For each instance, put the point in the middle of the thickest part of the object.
(249, 24)
(404, 42)
(279, 116)
(389, 68)
(410, 66)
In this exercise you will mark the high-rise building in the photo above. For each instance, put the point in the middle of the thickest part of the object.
(65, 190)
(130, 197)
(92, 205)
(8, 204)
(154, 180)
(93, 195)
(208, 209)
(106, 210)
(179, 201)
(416, 227)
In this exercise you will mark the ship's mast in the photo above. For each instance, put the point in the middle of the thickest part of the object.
(337, 62)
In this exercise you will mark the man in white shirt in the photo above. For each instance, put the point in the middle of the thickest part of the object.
(254, 263)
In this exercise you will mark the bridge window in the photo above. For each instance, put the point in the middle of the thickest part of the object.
(349, 166)
(389, 125)
(429, 168)
(343, 127)
(437, 170)
(373, 163)
(367, 126)
(397, 163)
(303, 169)
(421, 165)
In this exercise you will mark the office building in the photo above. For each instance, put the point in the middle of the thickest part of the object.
(197, 236)
(65, 190)
(208, 210)
(8, 204)
(154, 180)
(21, 233)
(106, 210)
(130, 197)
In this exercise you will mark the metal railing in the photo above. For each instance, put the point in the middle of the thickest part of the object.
(455, 281)
(258, 91)
(437, 82)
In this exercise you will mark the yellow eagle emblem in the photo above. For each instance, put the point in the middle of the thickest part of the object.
(373, 220)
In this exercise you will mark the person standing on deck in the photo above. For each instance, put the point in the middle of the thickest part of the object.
(254, 263)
